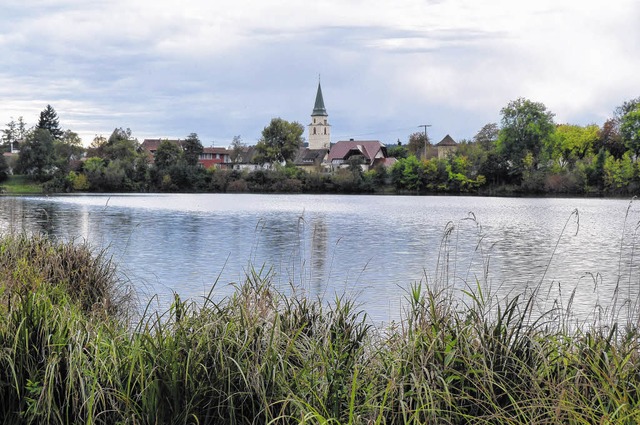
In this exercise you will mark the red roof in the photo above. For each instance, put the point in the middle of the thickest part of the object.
(368, 148)
(221, 151)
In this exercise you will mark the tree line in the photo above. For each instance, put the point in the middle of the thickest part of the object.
(528, 152)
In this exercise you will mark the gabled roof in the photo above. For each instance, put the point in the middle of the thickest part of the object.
(214, 150)
(367, 148)
(318, 108)
(447, 141)
(306, 156)
(246, 155)
(151, 145)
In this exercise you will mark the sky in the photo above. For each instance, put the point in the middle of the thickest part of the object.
(221, 68)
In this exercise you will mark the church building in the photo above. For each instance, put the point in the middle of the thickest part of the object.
(319, 129)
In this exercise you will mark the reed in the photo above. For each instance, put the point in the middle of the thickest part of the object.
(263, 357)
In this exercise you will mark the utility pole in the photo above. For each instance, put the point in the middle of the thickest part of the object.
(425, 138)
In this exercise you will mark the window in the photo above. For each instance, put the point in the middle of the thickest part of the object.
(314, 130)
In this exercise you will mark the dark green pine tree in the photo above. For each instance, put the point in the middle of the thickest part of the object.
(49, 121)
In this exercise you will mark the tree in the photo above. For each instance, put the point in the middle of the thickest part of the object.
(49, 121)
(97, 146)
(67, 149)
(526, 126)
(280, 141)
(36, 154)
(625, 108)
(121, 145)
(610, 140)
(167, 155)
(237, 146)
(14, 134)
(487, 136)
(630, 130)
(4, 168)
(192, 149)
(572, 142)
(416, 145)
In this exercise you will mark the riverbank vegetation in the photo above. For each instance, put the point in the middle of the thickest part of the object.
(72, 350)
(527, 153)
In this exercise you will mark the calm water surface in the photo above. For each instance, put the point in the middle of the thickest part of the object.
(371, 247)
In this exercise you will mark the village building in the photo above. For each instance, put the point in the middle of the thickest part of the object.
(244, 160)
(446, 147)
(310, 160)
(319, 129)
(209, 157)
(370, 152)
(215, 157)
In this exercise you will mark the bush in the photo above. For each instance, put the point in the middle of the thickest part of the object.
(90, 279)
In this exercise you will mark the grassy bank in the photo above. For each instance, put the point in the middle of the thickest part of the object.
(67, 355)
(18, 185)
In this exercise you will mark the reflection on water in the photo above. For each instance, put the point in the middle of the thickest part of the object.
(370, 247)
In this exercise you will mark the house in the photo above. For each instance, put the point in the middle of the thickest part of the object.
(446, 147)
(150, 146)
(210, 157)
(215, 157)
(368, 150)
(245, 160)
(310, 160)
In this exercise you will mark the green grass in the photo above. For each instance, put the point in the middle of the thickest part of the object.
(20, 184)
(263, 357)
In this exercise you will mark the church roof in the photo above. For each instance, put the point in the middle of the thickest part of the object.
(318, 108)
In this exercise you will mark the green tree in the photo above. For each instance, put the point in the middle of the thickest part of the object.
(397, 151)
(168, 155)
(280, 141)
(97, 147)
(570, 143)
(630, 130)
(49, 121)
(237, 147)
(487, 136)
(526, 127)
(407, 173)
(14, 134)
(192, 148)
(36, 154)
(67, 149)
(416, 145)
(4, 169)
(94, 168)
(121, 145)
(618, 173)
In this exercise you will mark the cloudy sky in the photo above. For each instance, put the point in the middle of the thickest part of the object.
(222, 68)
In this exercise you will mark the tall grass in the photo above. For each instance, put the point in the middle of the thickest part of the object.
(262, 357)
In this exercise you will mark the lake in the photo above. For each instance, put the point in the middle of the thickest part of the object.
(369, 247)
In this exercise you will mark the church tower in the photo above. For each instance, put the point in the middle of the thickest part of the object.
(319, 129)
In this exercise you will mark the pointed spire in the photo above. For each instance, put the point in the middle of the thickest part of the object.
(318, 108)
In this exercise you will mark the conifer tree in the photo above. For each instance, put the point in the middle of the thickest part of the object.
(49, 121)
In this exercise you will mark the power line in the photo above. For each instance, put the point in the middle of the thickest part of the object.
(373, 132)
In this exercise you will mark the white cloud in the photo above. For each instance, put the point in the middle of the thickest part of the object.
(225, 67)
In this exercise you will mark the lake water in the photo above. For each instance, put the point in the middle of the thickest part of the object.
(370, 247)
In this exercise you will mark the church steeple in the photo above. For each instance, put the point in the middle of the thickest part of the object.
(318, 109)
(319, 129)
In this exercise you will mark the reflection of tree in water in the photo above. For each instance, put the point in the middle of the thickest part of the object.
(318, 253)
(277, 243)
